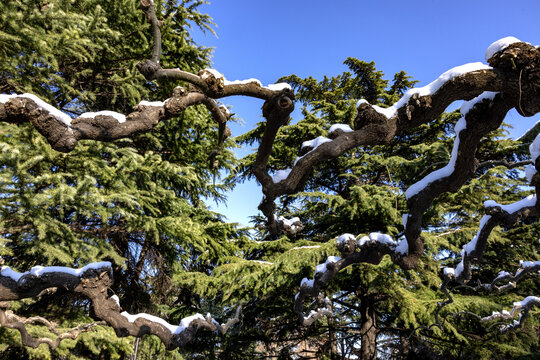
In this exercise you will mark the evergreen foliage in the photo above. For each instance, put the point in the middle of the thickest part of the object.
(138, 203)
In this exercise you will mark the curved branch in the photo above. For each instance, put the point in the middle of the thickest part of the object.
(93, 281)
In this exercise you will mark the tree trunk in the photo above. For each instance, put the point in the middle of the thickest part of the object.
(369, 329)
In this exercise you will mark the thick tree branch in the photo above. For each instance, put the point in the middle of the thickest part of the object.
(92, 281)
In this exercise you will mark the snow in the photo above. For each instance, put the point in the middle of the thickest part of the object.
(280, 175)
(306, 247)
(449, 271)
(306, 283)
(429, 89)
(342, 127)
(4, 98)
(40, 270)
(513, 207)
(243, 82)
(278, 86)
(321, 268)
(225, 109)
(345, 237)
(293, 225)
(471, 245)
(404, 219)
(382, 238)
(529, 299)
(151, 103)
(121, 118)
(214, 72)
(440, 173)
(468, 105)
(361, 101)
(116, 299)
(8, 272)
(500, 45)
(526, 264)
(530, 170)
(315, 143)
(402, 247)
(174, 329)
(65, 118)
(534, 148)
(502, 274)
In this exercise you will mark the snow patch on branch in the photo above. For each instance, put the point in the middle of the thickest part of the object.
(280, 175)
(500, 45)
(278, 86)
(513, 207)
(291, 226)
(243, 82)
(152, 103)
(440, 173)
(121, 118)
(306, 247)
(315, 143)
(322, 268)
(468, 105)
(429, 89)
(59, 115)
(207, 73)
(174, 329)
(534, 150)
(343, 127)
(40, 270)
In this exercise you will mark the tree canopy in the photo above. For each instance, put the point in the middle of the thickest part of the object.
(390, 228)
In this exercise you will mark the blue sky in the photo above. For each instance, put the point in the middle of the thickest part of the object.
(266, 39)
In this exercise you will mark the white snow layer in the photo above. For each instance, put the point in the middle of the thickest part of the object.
(321, 268)
(65, 118)
(274, 87)
(443, 172)
(243, 82)
(402, 247)
(513, 207)
(116, 299)
(214, 72)
(345, 237)
(534, 148)
(174, 329)
(278, 86)
(152, 103)
(293, 225)
(527, 300)
(280, 175)
(500, 45)
(315, 143)
(429, 89)
(404, 219)
(121, 118)
(343, 127)
(468, 105)
(471, 245)
(449, 271)
(306, 282)
(40, 270)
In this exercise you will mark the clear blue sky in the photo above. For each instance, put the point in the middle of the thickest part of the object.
(266, 39)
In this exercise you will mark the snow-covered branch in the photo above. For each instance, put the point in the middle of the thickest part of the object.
(521, 307)
(92, 281)
(354, 250)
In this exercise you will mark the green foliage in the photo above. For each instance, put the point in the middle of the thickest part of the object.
(138, 203)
